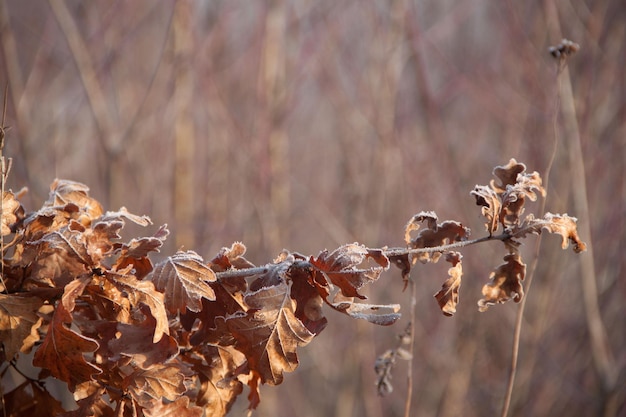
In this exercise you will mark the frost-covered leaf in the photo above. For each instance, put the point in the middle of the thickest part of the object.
(448, 296)
(269, 333)
(156, 382)
(507, 175)
(491, 205)
(341, 267)
(506, 282)
(144, 292)
(63, 192)
(229, 258)
(442, 234)
(561, 224)
(184, 279)
(414, 224)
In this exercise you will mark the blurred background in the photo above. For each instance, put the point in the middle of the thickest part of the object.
(308, 124)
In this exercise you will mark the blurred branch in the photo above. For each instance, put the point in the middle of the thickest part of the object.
(86, 69)
(603, 358)
(184, 129)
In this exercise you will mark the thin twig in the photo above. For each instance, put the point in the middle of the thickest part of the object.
(409, 372)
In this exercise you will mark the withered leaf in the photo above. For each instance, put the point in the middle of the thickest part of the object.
(218, 386)
(63, 192)
(178, 408)
(145, 293)
(61, 351)
(11, 209)
(448, 296)
(232, 257)
(443, 234)
(491, 205)
(184, 279)
(382, 315)
(18, 317)
(135, 340)
(92, 405)
(561, 224)
(31, 399)
(341, 267)
(506, 282)
(157, 382)
(507, 174)
(135, 253)
(269, 333)
(414, 223)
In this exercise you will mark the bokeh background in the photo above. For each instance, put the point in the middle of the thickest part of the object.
(308, 124)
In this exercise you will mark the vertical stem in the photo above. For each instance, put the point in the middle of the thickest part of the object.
(409, 374)
(184, 133)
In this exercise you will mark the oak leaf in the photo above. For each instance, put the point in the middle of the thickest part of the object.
(269, 332)
(489, 199)
(507, 175)
(63, 192)
(448, 296)
(506, 282)
(30, 399)
(437, 235)
(561, 224)
(11, 211)
(18, 320)
(135, 341)
(61, 351)
(143, 292)
(219, 386)
(178, 408)
(156, 382)
(184, 279)
(341, 267)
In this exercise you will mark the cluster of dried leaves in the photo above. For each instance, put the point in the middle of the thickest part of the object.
(184, 336)
(180, 337)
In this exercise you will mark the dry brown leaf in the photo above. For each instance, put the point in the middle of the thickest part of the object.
(561, 224)
(269, 333)
(506, 282)
(218, 385)
(157, 382)
(448, 296)
(178, 408)
(229, 258)
(11, 211)
(443, 234)
(61, 351)
(507, 175)
(18, 317)
(144, 292)
(491, 206)
(63, 192)
(31, 399)
(184, 279)
(341, 267)
(135, 341)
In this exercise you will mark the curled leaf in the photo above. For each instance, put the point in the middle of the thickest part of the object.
(489, 199)
(507, 175)
(443, 234)
(448, 296)
(506, 283)
(11, 211)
